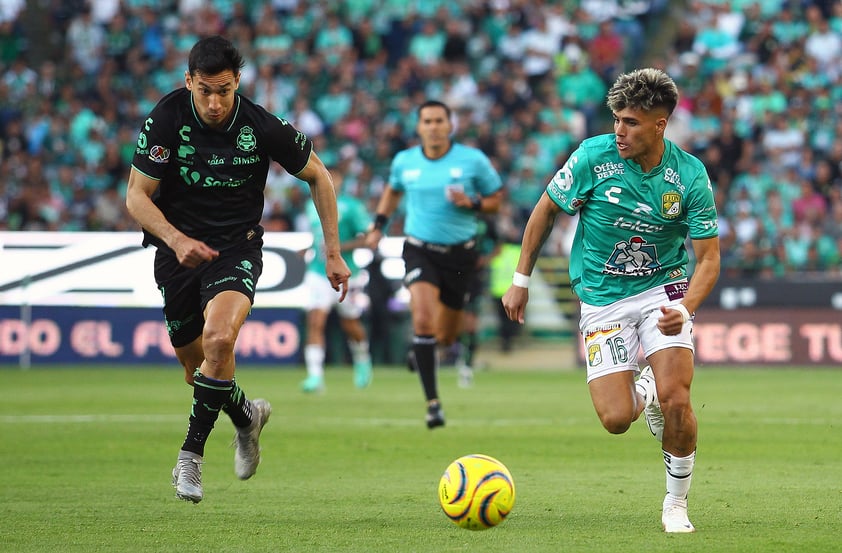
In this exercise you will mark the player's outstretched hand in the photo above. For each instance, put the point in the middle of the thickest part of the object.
(338, 273)
(514, 302)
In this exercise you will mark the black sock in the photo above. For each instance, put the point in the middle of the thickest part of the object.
(424, 348)
(238, 407)
(209, 395)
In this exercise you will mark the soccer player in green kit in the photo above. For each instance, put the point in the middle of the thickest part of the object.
(638, 197)
(352, 220)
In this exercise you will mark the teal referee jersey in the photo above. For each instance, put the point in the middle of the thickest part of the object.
(429, 215)
(632, 225)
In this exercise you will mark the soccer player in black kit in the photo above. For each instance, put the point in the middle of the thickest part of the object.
(196, 188)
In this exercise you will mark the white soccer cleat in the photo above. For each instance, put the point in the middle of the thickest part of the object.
(246, 440)
(652, 410)
(187, 477)
(674, 516)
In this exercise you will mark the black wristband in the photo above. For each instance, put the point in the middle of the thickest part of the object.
(476, 203)
(380, 221)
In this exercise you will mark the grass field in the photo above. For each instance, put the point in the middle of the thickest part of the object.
(87, 454)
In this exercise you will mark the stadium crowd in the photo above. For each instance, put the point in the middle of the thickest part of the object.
(761, 85)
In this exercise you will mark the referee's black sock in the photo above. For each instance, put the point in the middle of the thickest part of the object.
(424, 348)
(209, 395)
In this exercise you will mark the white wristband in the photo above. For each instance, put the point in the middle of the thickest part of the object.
(685, 315)
(520, 280)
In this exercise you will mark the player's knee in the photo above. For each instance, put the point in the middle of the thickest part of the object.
(218, 341)
(676, 406)
(615, 422)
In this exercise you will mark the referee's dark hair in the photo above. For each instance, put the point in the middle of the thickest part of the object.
(434, 104)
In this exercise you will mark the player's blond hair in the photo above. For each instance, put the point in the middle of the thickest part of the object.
(644, 89)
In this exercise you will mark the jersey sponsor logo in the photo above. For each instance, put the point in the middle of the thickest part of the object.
(637, 226)
(159, 154)
(246, 141)
(671, 205)
(185, 154)
(216, 160)
(609, 169)
(642, 209)
(672, 177)
(712, 224)
(633, 258)
(676, 290)
(254, 158)
(563, 179)
(211, 182)
(603, 330)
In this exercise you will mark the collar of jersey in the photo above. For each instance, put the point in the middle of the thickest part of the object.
(236, 111)
(658, 168)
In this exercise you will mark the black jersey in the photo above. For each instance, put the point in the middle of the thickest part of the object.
(212, 180)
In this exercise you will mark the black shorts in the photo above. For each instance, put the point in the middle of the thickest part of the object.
(187, 291)
(450, 268)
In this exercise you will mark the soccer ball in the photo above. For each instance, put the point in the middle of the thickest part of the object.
(476, 492)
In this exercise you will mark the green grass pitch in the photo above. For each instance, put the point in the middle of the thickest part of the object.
(87, 454)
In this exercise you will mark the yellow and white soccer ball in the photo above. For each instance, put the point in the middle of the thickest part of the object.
(477, 492)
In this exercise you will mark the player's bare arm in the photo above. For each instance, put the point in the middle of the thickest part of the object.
(324, 198)
(387, 205)
(189, 252)
(538, 228)
(701, 283)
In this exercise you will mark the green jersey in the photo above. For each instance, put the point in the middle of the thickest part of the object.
(353, 220)
(632, 225)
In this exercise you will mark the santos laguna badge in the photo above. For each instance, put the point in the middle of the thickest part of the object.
(246, 140)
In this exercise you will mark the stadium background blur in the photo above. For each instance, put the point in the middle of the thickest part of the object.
(760, 83)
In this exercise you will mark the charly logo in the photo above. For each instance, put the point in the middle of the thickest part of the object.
(246, 141)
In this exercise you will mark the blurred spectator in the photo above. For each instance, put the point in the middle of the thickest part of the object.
(761, 85)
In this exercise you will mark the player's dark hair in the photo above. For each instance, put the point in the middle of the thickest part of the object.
(434, 104)
(213, 55)
(644, 89)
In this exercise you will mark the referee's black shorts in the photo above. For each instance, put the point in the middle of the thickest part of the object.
(187, 291)
(448, 267)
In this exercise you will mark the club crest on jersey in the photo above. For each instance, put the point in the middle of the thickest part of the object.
(594, 355)
(246, 140)
(671, 205)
